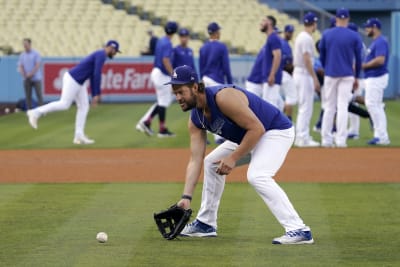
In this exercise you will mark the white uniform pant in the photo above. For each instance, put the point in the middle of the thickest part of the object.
(336, 96)
(305, 92)
(163, 92)
(272, 95)
(71, 91)
(266, 159)
(374, 88)
(289, 89)
(255, 88)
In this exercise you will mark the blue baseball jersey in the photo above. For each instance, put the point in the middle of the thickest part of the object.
(273, 43)
(270, 116)
(379, 47)
(90, 68)
(287, 54)
(214, 62)
(340, 49)
(163, 50)
(256, 74)
(182, 56)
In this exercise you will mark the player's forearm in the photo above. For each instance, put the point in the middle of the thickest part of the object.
(168, 66)
(36, 68)
(374, 63)
(192, 176)
(309, 66)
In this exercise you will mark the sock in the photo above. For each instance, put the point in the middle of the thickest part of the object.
(162, 114)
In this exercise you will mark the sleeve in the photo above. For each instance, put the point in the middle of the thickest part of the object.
(201, 63)
(274, 42)
(167, 51)
(380, 49)
(322, 51)
(358, 56)
(226, 66)
(95, 80)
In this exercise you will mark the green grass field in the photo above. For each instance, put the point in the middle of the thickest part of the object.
(56, 224)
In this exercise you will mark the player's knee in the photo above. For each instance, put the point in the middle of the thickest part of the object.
(64, 105)
(209, 163)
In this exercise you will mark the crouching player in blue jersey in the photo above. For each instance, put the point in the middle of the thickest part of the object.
(75, 89)
(251, 126)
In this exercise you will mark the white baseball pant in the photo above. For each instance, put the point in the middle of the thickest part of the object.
(163, 92)
(266, 159)
(336, 96)
(374, 88)
(289, 89)
(305, 92)
(272, 95)
(255, 88)
(71, 91)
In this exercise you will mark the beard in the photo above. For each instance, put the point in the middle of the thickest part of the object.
(264, 28)
(370, 34)
(188, 104)
(110, 55)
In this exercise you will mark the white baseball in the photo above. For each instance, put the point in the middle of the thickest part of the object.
(6, 110)
(102, 237)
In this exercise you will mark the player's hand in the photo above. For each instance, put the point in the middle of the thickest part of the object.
(317, 86)
(271, 80)
(96, 100)
(225, 166)
(355, 85)
(184, 203)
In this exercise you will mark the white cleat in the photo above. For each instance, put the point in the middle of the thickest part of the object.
(33, 118)
(83, 140)
(306, 143)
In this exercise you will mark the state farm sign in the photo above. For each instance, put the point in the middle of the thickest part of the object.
(116, 78)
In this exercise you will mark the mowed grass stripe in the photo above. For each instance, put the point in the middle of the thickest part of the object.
(11, 192)
(27, 222)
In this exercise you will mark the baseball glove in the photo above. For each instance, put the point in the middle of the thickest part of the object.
(171, 222)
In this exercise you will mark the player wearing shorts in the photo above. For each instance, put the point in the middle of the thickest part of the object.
(376, 80)
(160, 74)
(254, 126)
(74, 89)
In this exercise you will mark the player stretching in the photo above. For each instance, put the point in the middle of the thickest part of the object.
(256, 127)
(376, 80)
(340, 50)
(75, 89)
(306, 80)
(159, 76)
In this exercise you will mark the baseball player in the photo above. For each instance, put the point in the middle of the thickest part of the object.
(288, 87)
(272, 68)
(340, 49)
(305, 79)
(214, 62)
(182, 54)
(376, 80)
(75, 89)
(159, 76)
(253, 126)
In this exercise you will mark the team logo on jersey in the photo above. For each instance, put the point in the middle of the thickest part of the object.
(217, 125)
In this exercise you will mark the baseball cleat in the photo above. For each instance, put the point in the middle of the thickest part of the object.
(165, 133)
(306, 143)
(198, 229)
(144, 127)
(376, 141)
(83, 140)
(33, 118)
(353, 136)
(295, 237)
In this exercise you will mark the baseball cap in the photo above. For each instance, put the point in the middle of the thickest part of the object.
(289, 28)
(373, 22)
(183, 32)
(171, 27)
(183, 75)
(114, 44)
(332, 22)
(342, 13)
(213, 27)
(352, 26)
(310, 17)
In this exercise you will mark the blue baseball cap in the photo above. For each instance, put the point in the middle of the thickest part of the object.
(332, 22)
(310, 17)
(342, 13)
(289, 28)
(352, 26)
(213, 27)
(373, 22)
(171, 27)
(183, 32)
(114, 44)
(183, 75)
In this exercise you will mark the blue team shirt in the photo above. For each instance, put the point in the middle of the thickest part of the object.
(214, 62)
(256, 74)
(182, 56)
(341, 48)
(379, 47)
(273, 43)
(270, 116)
(287, 55)
(163, 50)
(90, 68)
(28, 60)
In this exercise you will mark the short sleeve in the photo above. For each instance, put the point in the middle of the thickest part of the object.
(274, 42)
(380, 48)
(167, 51)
